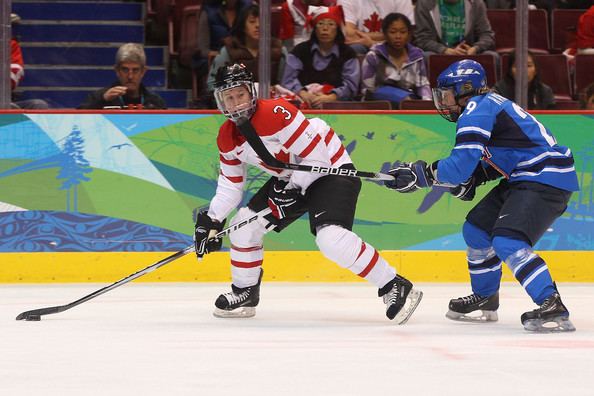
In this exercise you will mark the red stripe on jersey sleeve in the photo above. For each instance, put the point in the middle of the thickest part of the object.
(233, 179)
(296, 134)
(243, 264)
(370, 266)
(311, 146)
(337, 156)
(229, 162)
(329, 136)
(248, 249)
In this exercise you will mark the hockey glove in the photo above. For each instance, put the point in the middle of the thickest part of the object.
(409, 177)
(466, 191)
(283, 202)
(205, 229)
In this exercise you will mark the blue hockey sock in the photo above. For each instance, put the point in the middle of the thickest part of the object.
(483, 264)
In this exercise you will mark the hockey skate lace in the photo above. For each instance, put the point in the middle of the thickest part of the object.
(237, 298)
(473, 298)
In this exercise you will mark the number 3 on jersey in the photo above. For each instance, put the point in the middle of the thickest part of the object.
(282, 110)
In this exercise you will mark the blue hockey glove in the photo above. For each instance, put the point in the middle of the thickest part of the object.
(205, 229)
(409, 177)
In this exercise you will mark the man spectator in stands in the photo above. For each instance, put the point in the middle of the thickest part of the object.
(17, 72)
(363, 20)
(128, 92)
(293, 27)
(453, 27)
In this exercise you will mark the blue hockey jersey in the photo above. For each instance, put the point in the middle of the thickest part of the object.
(500, 132)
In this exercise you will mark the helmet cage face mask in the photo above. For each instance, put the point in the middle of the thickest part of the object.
(243, 110)
(446, 103)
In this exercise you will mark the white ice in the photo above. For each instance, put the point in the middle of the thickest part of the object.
(306, 339)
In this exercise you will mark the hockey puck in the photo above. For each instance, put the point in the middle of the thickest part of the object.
(33, 318)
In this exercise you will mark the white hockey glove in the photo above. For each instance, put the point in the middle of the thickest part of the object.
(409, 177)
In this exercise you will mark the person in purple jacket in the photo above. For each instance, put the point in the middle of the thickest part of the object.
(395, 69)
(324, 68)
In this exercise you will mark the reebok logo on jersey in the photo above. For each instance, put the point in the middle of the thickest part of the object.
(319, 214)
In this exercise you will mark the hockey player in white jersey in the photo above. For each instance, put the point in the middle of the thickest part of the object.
(330, 200)
(497, 138)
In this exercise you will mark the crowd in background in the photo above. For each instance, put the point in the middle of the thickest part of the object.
(339, 50)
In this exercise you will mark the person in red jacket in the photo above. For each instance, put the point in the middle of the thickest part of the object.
(330, 200)
(293, 24)
(585, 32)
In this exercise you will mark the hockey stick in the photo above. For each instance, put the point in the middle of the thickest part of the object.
(249, 132)
(36, 314)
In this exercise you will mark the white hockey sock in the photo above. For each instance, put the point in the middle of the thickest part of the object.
(346, 249)
(246, 265)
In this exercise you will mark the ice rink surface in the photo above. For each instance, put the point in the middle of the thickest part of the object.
(306, 339)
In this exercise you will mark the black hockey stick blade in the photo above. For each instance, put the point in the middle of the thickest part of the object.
(35, 314)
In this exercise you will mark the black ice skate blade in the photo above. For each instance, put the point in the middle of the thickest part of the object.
(557, 325)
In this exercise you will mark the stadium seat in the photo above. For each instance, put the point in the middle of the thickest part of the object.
(567, 105)
(174, 23)
(367, 105)
(564, 27)
(584, 65)
(553, 71)
(437, 63)
(415, 104)
(503, 24)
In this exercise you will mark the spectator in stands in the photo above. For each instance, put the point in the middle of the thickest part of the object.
(540, 95)
(585, 32)
(363, 20)
(242, 47)
(324, 68)
(127, 92)
(395, 69)
(453, 27)
(587, 101)
(17, 72)
(293, 27)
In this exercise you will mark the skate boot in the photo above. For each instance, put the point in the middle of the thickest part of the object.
(552, 316)
(459, 308)
(400, 298)
(240, 303)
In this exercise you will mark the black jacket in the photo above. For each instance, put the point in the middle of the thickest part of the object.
(148, 99)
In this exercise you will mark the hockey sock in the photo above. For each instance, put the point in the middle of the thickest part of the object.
(346, 249)
(528, 267)
(246, 265)
(483, 264)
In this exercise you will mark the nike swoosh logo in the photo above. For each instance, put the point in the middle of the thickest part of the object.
(319, 214)
(239, 152)
(502, 216)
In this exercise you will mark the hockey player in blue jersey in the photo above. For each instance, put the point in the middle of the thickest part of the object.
(497, 138)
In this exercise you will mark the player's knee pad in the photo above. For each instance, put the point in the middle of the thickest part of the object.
(506, 247)
(475, 237)
(251, 234)
(338, 244)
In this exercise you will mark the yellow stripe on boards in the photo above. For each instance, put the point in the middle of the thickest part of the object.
(287, 266)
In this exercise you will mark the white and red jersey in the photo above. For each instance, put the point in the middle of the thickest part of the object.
(287, 135)
(17, 68)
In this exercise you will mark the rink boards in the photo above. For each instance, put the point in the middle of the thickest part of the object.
(97, 196)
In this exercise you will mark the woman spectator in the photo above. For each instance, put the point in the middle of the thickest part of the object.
(242, 47)
(540, 95)
(293, 20)
(587, 100)
(324, 68)
(395, 69)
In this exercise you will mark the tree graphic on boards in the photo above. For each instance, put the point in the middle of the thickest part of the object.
(73, 166)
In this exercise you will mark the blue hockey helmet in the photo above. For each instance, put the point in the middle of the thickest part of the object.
(462, 79)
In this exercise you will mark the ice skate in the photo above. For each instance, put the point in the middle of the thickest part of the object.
(400, 298)
(240, 303)
(552, 316)
(461, 308)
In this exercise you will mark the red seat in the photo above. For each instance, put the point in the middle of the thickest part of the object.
(504, 25)
(416, 104)
(554, 72)
(564, 25)
(437, 63)
(348, 105)
(567, 105)
(584, 65)
(175, 23)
